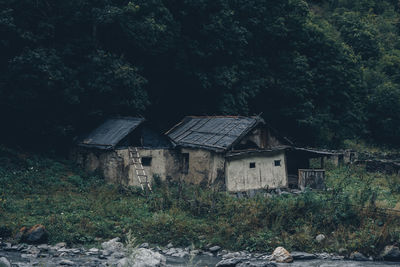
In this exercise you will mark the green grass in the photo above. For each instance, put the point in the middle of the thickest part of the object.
(78, 207)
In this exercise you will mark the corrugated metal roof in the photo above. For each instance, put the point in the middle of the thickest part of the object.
(112, 131)
(212, 132)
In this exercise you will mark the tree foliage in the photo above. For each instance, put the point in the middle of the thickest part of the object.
(319, 71)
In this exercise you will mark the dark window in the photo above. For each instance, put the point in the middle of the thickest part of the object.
(185, 163)
(277, 162)
(146, 161)
(252, 165)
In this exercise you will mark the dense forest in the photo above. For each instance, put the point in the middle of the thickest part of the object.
(319, 71)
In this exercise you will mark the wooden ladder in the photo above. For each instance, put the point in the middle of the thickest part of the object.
(140, 172)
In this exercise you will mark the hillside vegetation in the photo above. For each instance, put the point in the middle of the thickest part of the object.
(320, 71)
(77, 207)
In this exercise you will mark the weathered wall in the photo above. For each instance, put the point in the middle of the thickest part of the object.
(262, 137)
(240, 177)
(204, 166)
(117, 168)
(164, 163)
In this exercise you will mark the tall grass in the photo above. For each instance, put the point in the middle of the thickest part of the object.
(80, 208)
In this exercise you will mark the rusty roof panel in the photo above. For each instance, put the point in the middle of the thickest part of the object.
(112, 131)
(212, 132)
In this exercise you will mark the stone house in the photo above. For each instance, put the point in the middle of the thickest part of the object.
(238, 153)
(242, 153)
(126, 151)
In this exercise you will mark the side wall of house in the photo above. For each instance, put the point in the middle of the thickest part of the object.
(164, 163)
(116, 165)
(263, 174)
(204, 166)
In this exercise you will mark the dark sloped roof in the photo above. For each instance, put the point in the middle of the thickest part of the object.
(212, 132)
(112, 131)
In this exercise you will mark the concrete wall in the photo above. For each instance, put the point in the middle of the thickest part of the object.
(116, 165)
(204, 166)
(240, 177)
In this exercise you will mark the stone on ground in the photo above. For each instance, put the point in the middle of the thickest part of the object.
(214, 249)
(143, 257)
(391, 253)
(34, 235)
(281, 255)
(357, 256)
(256, 264)
(296, 255)
(112, 245)
(67, 263)
(4, 262)
(229, 262)
(320, 238)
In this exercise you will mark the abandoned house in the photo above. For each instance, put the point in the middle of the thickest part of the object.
(126, 151)
(238, 153)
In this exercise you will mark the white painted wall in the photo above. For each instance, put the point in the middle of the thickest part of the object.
(240, 177)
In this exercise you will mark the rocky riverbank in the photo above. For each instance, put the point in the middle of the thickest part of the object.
(114, 253)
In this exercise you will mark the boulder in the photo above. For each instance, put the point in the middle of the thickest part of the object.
(256, 264)
(143, 257)
(319, 238)
(357, 256)
(67, 263)
(214, 249)
(4, 262)
(144, 245)
(296, 255)
(342, 251)
(391, 253)
(229, 262)
(112, 245)
(281, 255)
(34, 235)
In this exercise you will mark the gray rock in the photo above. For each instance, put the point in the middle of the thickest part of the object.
(357, 256)
(195, 252)
(112, 245)
(144, 245)
(323, 256)
(256, 264)
(106, 253)
(143, 257)
(391, 253)
(93, 251)
(60, 245)
(4, 262)
(342, 251)
(281, 255)
(43, 247)
(231, 255)
(337, 258)
(37, 235)
(170, 245)
(122, 262)
(180, 254)
(67, 263)
(214, 249)
(208, 253)
(302, 255)
(118, 255)
(229, 262)
(319, 238)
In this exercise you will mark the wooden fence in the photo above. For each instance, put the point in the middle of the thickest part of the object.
(313, 178)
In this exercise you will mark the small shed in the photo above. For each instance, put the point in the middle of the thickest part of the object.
(242, 153)
(126, 151)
